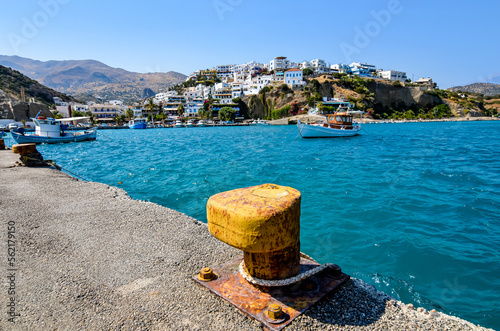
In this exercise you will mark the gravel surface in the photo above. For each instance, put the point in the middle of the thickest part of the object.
(88, 257)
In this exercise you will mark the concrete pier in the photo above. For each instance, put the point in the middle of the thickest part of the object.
(88, 257)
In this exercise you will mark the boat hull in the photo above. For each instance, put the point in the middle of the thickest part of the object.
(67, 138)
(140, 125)
(317, 131)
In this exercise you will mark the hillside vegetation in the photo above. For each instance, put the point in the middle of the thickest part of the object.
(378, 98)
(11, 82)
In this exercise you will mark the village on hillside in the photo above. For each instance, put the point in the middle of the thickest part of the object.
(224, 84)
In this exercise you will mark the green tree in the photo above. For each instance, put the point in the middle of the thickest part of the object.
(120, 119)
(441, 111)
(202, 113)
(57, 114)
(150, 105)
(180, 110)
(129, 114)
(227, 114)
(307, 72)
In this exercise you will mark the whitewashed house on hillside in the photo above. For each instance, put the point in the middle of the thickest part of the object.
(392, 75)
(294, 78)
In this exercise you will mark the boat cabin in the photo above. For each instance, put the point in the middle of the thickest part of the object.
(339, 121)
(47, 127)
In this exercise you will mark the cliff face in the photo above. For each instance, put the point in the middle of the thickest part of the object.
(388, 96)
(13, 108)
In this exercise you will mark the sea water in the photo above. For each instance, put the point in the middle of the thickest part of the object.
(412, 208)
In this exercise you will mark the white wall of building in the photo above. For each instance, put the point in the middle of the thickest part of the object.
(294, 77)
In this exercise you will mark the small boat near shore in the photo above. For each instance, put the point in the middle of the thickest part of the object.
(339, 124)
(138, 123)
(50, 131)
(178, 124)
(189, 124)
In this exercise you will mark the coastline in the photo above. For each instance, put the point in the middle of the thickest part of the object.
(90, 257)
(312, 118)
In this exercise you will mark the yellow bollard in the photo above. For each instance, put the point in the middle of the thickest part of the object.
(24, 149)
(264, 222)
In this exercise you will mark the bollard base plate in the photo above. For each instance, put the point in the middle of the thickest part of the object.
(254, 300)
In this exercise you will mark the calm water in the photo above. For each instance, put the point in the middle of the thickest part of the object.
(410, 208)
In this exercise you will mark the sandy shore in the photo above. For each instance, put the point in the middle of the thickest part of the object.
(88, 257)
(313, 118)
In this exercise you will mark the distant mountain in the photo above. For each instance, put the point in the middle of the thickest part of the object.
(90, 79)
(483, 88)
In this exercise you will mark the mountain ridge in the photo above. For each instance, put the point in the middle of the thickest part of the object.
(91, 79)
(487, 89)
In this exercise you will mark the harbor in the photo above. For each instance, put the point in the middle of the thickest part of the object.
(90, 257)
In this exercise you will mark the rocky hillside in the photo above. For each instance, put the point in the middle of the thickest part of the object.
(13, 108)
(12, 81)
(380, 99)
(37, 96)
(481, 88)
(92, 80)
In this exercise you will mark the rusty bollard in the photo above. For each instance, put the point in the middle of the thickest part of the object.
(264, 222)
(2, 145)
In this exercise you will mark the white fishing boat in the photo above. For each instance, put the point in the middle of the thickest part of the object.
(339, 124)
(50, 131)
(178, 124)
(189, 124)
(200, 124)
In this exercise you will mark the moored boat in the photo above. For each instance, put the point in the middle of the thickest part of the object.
(339, 124)
(178, 124)
(50, 131)
(200, 124)
(261, 122)
(189, 124)
(138, 123)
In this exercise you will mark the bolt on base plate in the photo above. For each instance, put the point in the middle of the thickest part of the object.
(293, 299)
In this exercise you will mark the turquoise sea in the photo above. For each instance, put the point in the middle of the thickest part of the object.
(412, 208)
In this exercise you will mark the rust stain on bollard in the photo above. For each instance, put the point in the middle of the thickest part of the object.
(264, 222)
(273, 284)
(24, 149)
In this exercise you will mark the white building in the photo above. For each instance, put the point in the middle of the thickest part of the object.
(294, 77)
(172, 102)
(426, 83)
(237, 90)
(225, 71)
(340, 68)
(193, 105)
(137, 112)
(58, 101)
(223, 93)
(279, 63)
(318, 66)
(362, 69)
(392, 75)
(106, 112)
(115, 102)
(193, 92)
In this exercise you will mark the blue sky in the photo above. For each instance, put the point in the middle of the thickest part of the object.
(455, 43)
